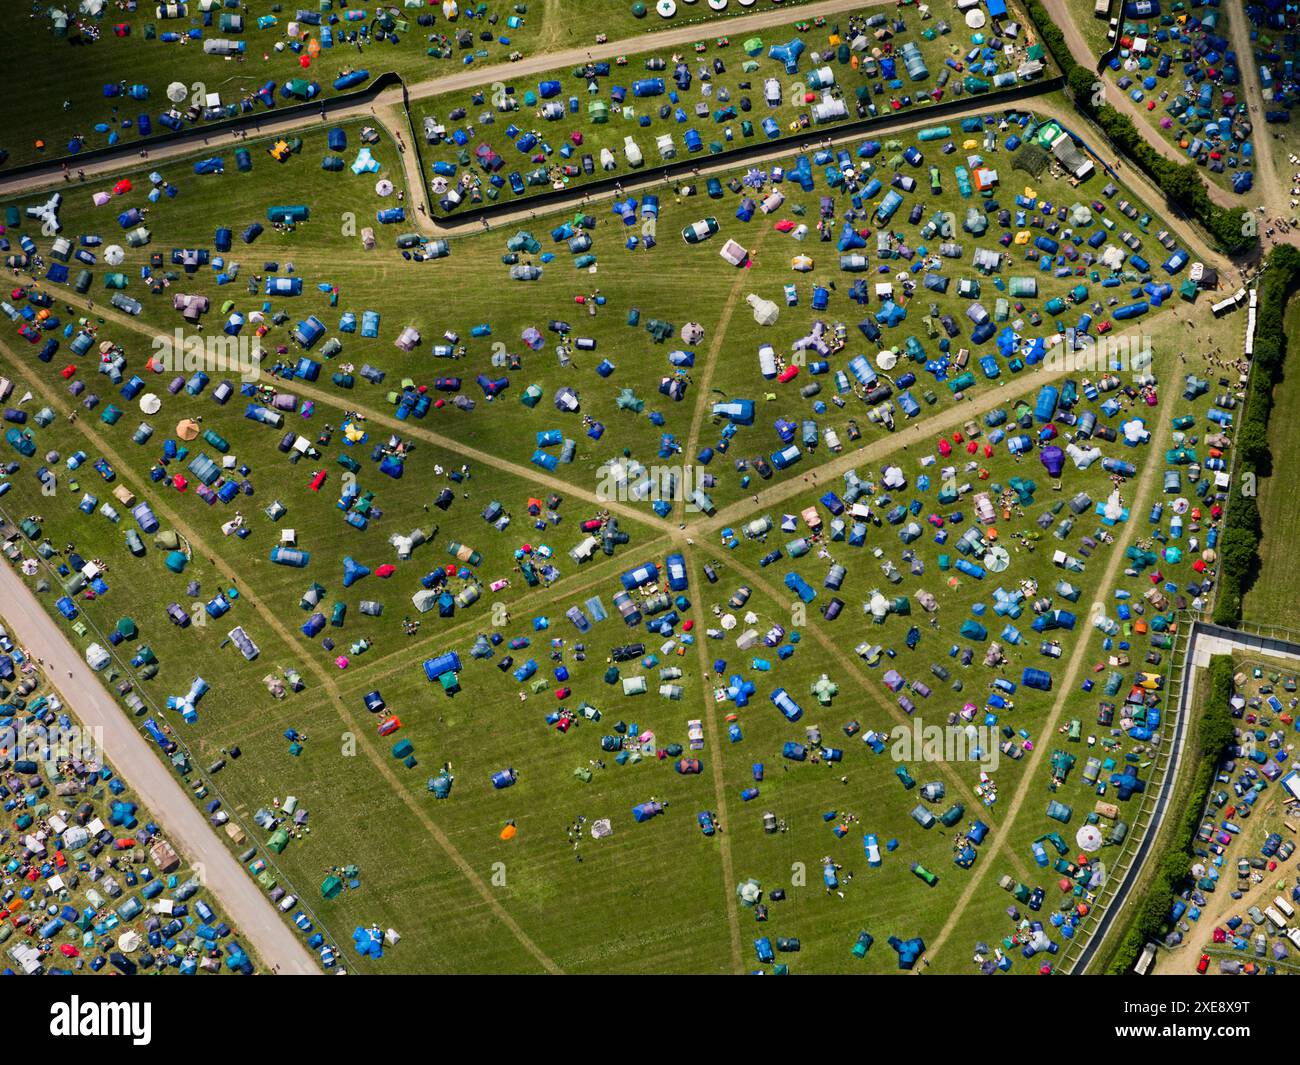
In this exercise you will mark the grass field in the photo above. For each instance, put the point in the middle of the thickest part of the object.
(437, 871)
(1044, 719)
(69, 72)
(729, 97)
(324, 250)
(1272, 597)
(1177, 116)
(1092, 27)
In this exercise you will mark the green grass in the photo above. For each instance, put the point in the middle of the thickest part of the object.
(1271, 598)
(326, 249)
(462, 899)
(1092, 27)
(565, 140)
(68, 80)
(1083, 705)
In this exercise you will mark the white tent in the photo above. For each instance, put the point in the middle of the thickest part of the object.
(1088, 838)
(734, 253)
(997, 559)
(765, 311)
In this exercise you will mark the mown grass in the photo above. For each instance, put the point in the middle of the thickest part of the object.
(63, 82)
(1272, 596)
(741, 80)
(370, 810)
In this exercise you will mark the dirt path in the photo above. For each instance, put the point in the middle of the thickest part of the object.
(466, 78)
(1120, 101)
(986, 399)
(710, 712)
(1182, 960)
(704, 401)
(595, 574)
(1269, 182)
(1031, 783)
(1267, 186)
(200, 548)
(854, 668)
(533, 474)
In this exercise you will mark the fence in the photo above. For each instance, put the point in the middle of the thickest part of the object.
(653, 175)
(129, 152)
(1272, 640)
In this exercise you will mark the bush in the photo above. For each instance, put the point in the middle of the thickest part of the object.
(1242, 528)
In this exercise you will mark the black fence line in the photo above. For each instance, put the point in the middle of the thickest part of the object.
(683, 169)
(390, 79)
(131, 150)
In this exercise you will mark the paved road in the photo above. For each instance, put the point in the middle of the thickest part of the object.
(250, 911)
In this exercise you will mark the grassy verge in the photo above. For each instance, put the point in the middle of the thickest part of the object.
(1243, 528)
(1276, 590)
(1171, 859)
